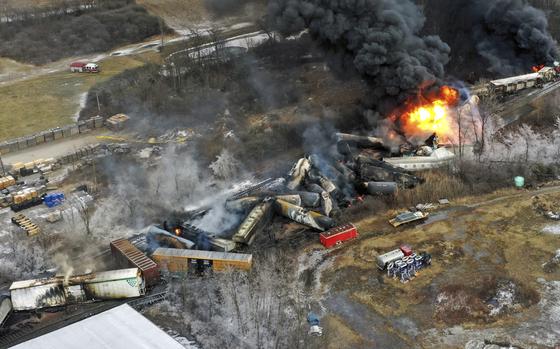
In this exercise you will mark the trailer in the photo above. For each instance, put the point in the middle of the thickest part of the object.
(389, 257)
(175, 260)
(338, 234)
(127, 255)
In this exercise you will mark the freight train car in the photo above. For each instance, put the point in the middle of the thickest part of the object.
(5, 309)
(338, 234)
(513, 84)
(61, 291)
(255, 221)
(127, 255)
(176, 260)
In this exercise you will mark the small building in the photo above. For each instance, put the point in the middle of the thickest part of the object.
(338, 234)
(117, 122)
(121, 327)
(176, 260)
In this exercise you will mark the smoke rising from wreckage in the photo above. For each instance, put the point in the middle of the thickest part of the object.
(236, 261)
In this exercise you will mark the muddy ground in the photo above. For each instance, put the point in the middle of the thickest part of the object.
(486, 281)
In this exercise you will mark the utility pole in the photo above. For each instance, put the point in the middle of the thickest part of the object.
(98, 105)
(161, 32)
(2, 165)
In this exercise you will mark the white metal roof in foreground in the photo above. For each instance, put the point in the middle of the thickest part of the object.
(118, 328)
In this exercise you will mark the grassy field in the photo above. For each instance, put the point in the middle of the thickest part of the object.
(54, 99)
(474, 250)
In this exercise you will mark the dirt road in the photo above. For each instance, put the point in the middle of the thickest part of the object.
(54, 149)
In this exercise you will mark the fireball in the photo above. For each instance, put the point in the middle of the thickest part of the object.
(430, 114)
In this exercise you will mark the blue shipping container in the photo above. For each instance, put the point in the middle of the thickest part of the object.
(53, 199)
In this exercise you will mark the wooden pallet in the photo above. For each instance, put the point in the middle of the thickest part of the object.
(25, 223)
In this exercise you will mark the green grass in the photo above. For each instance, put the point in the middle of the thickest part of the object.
(53, 99)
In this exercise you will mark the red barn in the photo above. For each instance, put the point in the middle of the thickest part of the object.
(338, 234)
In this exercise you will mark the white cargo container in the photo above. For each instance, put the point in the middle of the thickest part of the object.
(115, 284)
(389, 257)
(58, 291)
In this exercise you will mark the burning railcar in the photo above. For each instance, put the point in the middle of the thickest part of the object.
(60, 290)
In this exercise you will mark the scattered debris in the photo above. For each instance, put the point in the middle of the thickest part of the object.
(407, 217)
(553, 264)
(546, 207)
(426, 207)
(403, 263)
(53, 217)
(117, 122)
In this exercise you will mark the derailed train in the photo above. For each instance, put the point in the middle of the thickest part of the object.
(510, 85)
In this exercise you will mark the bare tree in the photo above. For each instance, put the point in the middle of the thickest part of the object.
(85, 213)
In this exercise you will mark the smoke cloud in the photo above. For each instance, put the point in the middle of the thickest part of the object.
(512, 35)
(503, 37)
(378, 39)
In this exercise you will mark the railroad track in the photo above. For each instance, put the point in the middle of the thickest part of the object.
(29, 332)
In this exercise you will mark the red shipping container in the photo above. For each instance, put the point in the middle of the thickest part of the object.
(406, 249)
(338, 234)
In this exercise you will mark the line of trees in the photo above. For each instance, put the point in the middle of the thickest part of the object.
(30, 36)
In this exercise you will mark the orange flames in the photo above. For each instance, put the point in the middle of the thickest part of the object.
(177, 231)
(430, 114)
(537, 68)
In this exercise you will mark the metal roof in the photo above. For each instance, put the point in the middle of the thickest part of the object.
(515, 79)
(118, 328)
(197, 254)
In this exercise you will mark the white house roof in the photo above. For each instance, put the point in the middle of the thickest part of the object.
(118, 328)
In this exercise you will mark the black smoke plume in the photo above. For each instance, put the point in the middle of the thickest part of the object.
(502, 37)
(378, 39)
